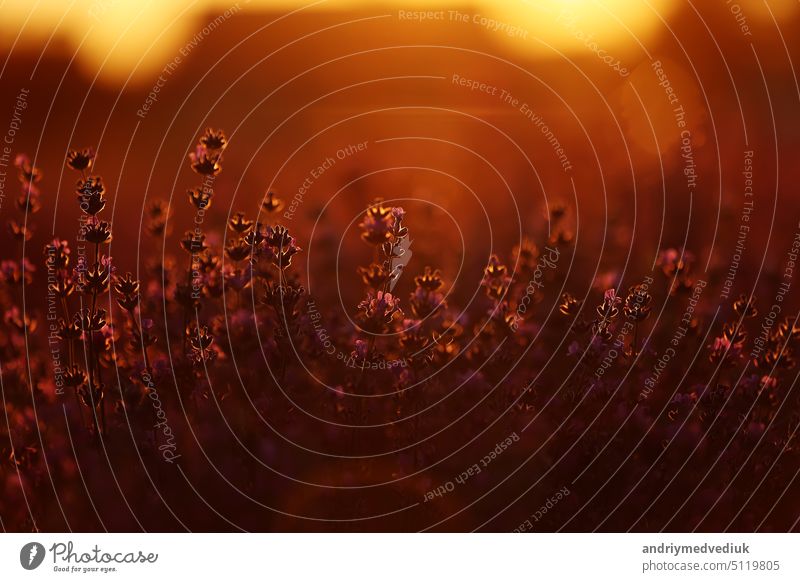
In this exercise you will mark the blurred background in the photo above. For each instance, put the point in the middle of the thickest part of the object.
(293, 83)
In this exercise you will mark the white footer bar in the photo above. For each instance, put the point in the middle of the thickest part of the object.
(400, 557)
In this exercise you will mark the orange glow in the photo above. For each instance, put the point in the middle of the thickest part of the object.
(122, 38)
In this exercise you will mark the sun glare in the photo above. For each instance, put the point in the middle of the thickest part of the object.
(122, 38)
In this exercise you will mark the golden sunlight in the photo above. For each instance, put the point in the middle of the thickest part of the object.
(128, 39)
